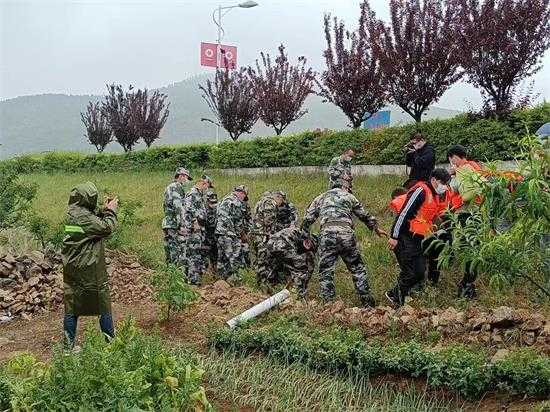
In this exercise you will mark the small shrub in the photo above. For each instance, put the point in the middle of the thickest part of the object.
(456, 367)
(16, 197)
(133, 372)
(171, 291)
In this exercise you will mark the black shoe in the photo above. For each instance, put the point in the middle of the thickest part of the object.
(433, 277)
(467, 290)
(368, 301)
(393, 300)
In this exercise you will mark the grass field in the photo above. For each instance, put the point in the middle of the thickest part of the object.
(146, 238)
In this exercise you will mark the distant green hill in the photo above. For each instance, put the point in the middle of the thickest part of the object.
(50, 122)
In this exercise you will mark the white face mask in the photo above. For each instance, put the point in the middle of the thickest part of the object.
(440, 189)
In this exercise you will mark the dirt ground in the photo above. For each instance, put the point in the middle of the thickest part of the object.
(218, 302)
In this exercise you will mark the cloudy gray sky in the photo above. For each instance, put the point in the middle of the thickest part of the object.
(77, 46)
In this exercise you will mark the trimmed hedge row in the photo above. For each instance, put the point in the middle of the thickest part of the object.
(457, 368)
(487, 139)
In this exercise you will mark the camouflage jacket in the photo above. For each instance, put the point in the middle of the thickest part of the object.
(265, 215)
(339, 169)
(232, 216)
(174, 197)
(287, 215)
(194, 210)
(336, 209)
(210, 216)
(286, 241)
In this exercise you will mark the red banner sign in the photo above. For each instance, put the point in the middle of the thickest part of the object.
(228, 55)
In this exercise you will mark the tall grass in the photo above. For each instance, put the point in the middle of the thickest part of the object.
(261, 384)
(147, 187)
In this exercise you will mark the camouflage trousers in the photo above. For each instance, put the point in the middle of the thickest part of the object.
(212, 252)
(230, 258)
(174, 247)
(195, 257)
(262, 261)
(340, 243)
(298, 266)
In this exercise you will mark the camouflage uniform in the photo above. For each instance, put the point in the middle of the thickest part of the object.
(339, 172)
(245, 248)
(263, 226)
(211, 205)
(194, 221)
(287, 215)
(336, 209)
(230, 225)
(174, 196)
(287, 255)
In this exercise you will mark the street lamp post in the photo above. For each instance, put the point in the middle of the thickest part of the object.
(244, 5)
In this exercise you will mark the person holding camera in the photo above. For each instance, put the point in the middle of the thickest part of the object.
(420, 157)
(85, 278)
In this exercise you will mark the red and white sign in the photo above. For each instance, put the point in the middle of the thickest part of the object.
(228, 55)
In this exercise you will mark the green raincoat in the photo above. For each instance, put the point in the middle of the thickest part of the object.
(85, 276)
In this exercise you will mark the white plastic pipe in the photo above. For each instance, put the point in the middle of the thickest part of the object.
(259, 308)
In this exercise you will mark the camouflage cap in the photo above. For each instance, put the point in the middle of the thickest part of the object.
(241, 188)
(208, 180)
(183, 171)
(211, 196)
(280, 193)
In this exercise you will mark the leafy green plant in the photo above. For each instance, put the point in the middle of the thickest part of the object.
(133, 372)
(171, 291)
(502, 239)
(464, 370)
(44, 231)
(16, 197)
(128, 218)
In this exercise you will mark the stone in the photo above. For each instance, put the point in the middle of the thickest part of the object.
(221, 285)
(477, 322)
(337, 307)
(407, 310)
(496, 337)
(9, 259)
(33, 281)
(435, 321)
(451, 316)
(406, 319)
(502, 317)
(499, 355)
(528, 338)
(535, 323)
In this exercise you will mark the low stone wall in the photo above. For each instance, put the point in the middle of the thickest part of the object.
(357, 170)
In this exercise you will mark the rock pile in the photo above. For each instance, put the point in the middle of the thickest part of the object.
(500, 327)
(129, 280)
(29, 284)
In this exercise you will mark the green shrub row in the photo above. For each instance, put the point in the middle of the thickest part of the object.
(457, 368)
(487, 140)
(133, 372)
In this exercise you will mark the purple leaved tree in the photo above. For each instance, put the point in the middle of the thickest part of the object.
(418, 51)
(98, 131)
(502, 43)
(232, 100)
(352, 80)
(281, 89)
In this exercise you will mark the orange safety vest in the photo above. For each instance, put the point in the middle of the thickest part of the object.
(422, 223)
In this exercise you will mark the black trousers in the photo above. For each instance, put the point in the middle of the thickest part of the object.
(412, 265)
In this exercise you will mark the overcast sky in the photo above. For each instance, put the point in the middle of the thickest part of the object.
(77, 46)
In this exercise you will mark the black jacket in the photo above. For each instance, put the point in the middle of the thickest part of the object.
(421, 162)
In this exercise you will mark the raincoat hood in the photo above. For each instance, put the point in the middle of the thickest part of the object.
(84, 195)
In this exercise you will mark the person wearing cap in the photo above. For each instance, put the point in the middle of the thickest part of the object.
(172, 224)
(339, 169)
(336, 209)
(287, 215)
(211, 199)
(264, 221)
(292, 251)
(231, 227)
(194, 223)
